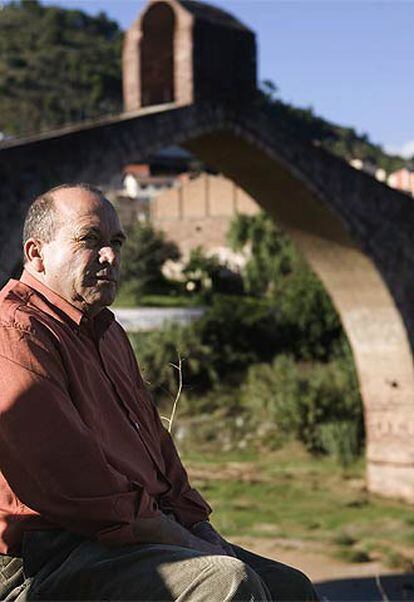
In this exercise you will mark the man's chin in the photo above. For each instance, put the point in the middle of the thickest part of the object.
(104, 296)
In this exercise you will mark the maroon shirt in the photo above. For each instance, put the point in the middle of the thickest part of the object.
(81, 445)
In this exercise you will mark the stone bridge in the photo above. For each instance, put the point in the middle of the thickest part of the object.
(355, 232)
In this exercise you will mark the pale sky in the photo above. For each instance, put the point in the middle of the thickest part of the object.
(351, 60)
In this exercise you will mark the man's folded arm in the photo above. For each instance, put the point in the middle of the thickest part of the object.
(164, 530)
(52, 461)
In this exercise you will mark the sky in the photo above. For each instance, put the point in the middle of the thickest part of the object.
(350, 60)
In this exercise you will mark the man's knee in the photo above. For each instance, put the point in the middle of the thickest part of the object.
(294, 585)
(306, 587)
(232, 579)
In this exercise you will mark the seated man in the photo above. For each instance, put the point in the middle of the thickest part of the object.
(94, 501)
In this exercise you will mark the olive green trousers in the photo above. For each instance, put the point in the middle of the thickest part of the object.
(60, 566)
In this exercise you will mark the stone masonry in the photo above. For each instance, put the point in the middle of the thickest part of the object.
(186, 52)
(199, 212)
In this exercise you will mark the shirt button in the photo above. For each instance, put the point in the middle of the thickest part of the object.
(136, 425)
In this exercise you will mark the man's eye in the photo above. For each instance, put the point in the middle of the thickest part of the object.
(89, 237)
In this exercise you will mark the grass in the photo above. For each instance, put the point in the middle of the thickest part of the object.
(288, 494)
(353, 555)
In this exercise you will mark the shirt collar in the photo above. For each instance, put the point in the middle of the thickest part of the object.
(98, 324)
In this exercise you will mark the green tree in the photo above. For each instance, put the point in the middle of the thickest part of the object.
(144, 254)
(308, 323)
(221, 345)
(200, 268)
(56, 66)
(270, 253)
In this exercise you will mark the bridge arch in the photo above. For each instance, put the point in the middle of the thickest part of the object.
(355, 232)
(368, 311)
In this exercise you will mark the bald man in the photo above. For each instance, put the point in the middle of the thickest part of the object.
(94, 501)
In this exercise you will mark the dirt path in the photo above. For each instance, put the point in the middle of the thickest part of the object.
(334, 579)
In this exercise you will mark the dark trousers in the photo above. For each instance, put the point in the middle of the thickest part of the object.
(60, 566)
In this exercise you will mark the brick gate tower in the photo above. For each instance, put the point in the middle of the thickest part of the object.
(182, 52)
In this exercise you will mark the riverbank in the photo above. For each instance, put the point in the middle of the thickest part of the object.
(305, 511)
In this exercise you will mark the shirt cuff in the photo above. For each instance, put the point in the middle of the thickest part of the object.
(128, 507)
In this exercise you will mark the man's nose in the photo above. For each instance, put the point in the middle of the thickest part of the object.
(107, 255)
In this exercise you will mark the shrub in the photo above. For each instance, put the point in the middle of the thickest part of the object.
(156, 351)
(304, 401)
(308, 323)
(397, 560)
(208, 275)
(143, 257)
(354, 555)
(200, 269)
(341, 440)
(269, 252)
(234, 333)
(239, 331)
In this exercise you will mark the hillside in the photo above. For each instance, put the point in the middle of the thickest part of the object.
(342, 141)
(61, 66)
(56, 66)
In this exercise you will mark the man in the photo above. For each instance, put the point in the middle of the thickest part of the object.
(95, 503)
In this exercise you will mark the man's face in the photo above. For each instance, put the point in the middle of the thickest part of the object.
(82, 262)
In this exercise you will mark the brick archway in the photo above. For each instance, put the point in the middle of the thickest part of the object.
(157, 55)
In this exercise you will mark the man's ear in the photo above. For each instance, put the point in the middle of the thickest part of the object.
(33, 253)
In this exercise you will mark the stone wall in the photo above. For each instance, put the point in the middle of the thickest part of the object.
(199, 212)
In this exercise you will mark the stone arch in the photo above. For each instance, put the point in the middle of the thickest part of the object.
(355, 232)
(371, 319)
(342, 221)
(157, 55)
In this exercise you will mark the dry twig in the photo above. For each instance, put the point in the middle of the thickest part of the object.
(382, 591)
(178, 367)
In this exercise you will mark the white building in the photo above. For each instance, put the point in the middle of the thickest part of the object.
(140, 184)
(402, 179)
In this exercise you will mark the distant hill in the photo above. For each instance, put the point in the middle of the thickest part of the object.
(342, 141)
(61, 66)
(56, 66)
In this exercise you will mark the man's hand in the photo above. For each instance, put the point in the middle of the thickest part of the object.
(164, 529)
(205, 530)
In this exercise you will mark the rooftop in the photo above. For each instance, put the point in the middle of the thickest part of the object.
(208, 12)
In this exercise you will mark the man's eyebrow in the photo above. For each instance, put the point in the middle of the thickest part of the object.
(96, 230)
(86, 230)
